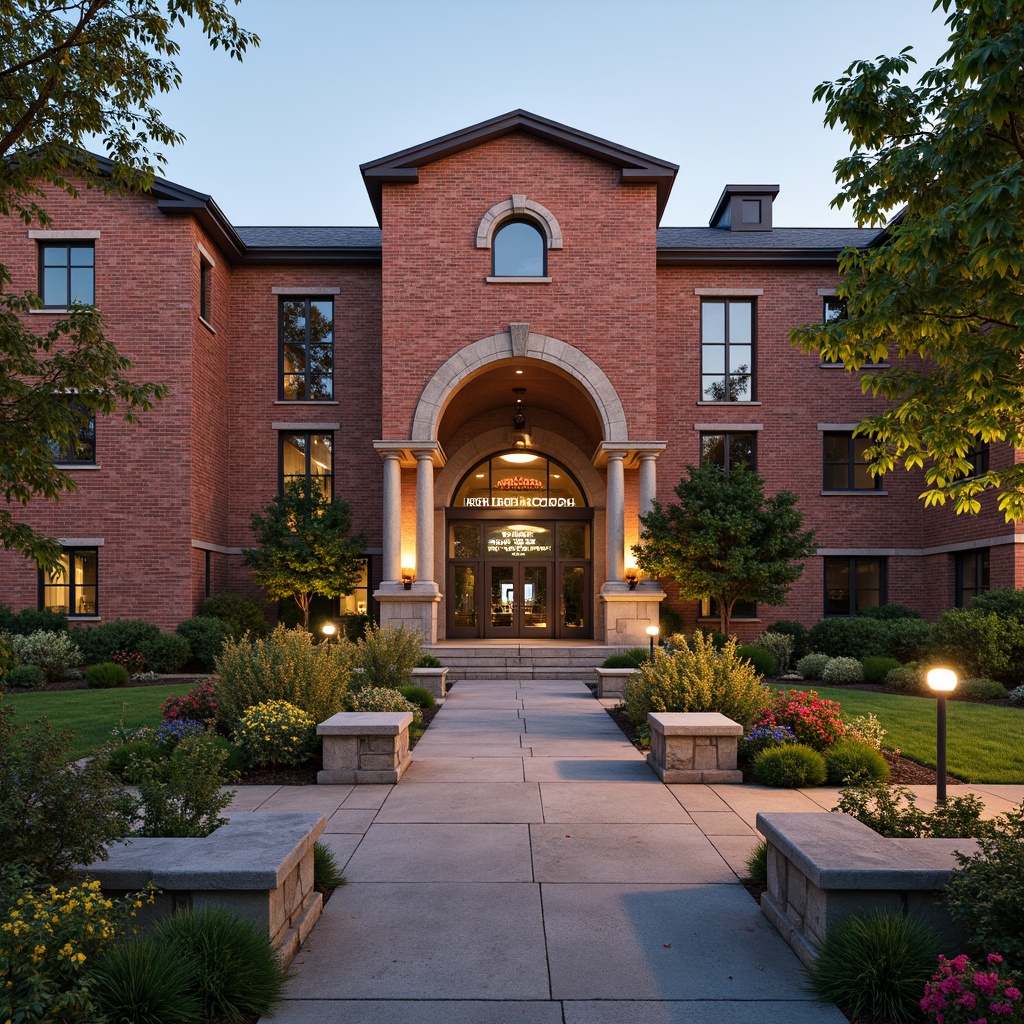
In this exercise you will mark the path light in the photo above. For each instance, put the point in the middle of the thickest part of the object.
(652, 632)
(941, 681)
(328, 629)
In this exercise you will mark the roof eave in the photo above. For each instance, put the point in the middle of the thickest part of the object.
(679, 256)
(307, 254)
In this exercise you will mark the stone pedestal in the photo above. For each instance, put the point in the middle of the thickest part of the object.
(628, 613)
(611, 682)
(694, 747)
(415, 608)
(365, 747)
(433, 679)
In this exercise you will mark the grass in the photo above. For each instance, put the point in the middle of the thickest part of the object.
(91, 714)
(983, 743)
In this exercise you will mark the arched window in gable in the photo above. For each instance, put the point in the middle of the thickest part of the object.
(519, 250)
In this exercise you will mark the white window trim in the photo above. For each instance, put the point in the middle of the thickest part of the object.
(306, 293)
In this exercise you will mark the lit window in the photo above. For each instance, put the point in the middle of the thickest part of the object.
(308, 457)
(73, 587)
(727, 351)
(852, 584)
(358, 602)
(846, 465)
(727, 450)
(67, 273)
(307, 349)
(519, 250)
(740, 610)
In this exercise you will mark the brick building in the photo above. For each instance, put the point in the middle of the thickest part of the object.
(499, 378)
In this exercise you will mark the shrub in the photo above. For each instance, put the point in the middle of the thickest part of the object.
(848, 637)
(132, 661)
(145, 748)
(180, 796)
(841, 671)
(146, 982)
(866, 728)
(906, 679)
(757, 864)
(892, 812)
(1006, 602)
(29, 621)
(1016, 697)
(633, 658)
(388, 656)
(780, 646)
(288, 666)
(199, 704)
(167, 652)
(981, 644)
(428, 661)
(275, 733)
(669, 620)
(326, 874)
(811, 666)
(418, 695)
(789, 765)
(849, 762)
(697, 678)
(42, 797)
(876, 669)
(54, 653)
(205, 637)
(356, 626)
(797, 630)
(763, 660)
(26, 677)
(8, 659)
(907, 639)
(106, 675)
(814, 720)
(985, 892)
(961, 994)
(761, 737)
(381, 698)
(874, 966)
(99, 643)
(239, 614)
(979, 689)
(888, 612)
(235, 969)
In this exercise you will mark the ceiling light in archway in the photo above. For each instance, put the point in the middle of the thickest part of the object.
(519, 457)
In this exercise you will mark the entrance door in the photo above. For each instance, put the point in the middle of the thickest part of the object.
(519, 596)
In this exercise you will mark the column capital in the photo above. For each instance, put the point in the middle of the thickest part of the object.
(409, 452)
(631, 452)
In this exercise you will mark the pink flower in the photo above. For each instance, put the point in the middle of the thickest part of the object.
(994, 958)
(1013, 993)
(968, 1000)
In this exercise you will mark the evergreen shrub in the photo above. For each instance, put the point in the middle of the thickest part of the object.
(100, 643)
(811, 666)
(842, 671)
(25, 677)
(789, 766)
(906, 679)
(849, 762)
(886, 612)
(762, 659)
(780, 646)
(167, 653)
(876, 669)
(205, 637)
(981, 644)
(106, 675)
(428, 661)
(29, 620)
(418, 695)
(388, 656)
(978, 689)
(238, 614)
(633, 658)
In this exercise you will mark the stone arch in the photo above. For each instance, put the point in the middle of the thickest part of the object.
(518, 206)
(518, 343)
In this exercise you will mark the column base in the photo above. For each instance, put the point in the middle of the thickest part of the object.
(415, 608)
(628, 613)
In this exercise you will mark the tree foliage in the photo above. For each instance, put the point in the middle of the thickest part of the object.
(303, 548)
(941, 295)
(71, 73)
(724, 539)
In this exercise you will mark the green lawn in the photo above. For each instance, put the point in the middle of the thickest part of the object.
(91, 714)
(984, 743)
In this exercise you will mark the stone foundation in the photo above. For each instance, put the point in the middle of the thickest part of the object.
(365, 747)
(694, 747)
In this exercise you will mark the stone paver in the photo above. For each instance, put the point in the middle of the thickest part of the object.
(531, 867)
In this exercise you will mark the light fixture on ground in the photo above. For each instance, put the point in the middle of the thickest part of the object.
(941, 681)
(328, 629)
(652, 632)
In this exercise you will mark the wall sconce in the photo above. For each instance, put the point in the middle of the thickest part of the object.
(941, 681)
(632, 577)
(408, 576)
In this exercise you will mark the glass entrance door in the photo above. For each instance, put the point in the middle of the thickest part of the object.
(519, 600)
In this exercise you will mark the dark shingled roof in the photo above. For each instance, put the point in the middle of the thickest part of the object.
(777, 238)
(309, 237)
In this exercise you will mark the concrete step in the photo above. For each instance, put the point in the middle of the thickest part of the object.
(510, 660)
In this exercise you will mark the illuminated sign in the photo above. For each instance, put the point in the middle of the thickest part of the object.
(520, 501)
(519, 542)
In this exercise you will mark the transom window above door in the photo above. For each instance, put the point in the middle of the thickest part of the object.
(519, 479)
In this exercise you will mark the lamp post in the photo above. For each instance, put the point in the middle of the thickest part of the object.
(941, 681)
(328, 629)
(652, 632)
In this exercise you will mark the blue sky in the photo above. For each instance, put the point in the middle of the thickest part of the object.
(721, 88)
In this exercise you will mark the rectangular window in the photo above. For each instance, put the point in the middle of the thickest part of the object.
(307, 349)
(73, 588)
(205, 290)
(846, 467)
(727, 350)
(972, 576)
(978, 458)
(77, 446)
(852, 584)
(358, 602)
(834, 309)
(67, 274)
(308, 457)
(740, 610)
(726, 450)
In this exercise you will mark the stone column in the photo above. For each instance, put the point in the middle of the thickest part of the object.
(616, 513)
(424, 515)
(648, 482)
(392, 518)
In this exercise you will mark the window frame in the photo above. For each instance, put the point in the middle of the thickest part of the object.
(72, 442)
(727, 345)
(727, 459)
(71, 585)
(851, 464)
(205, 290)
(982, 575)
(707, 608)
(531, 223)
(307, 300)
(852, 560)
(67, 244)
(308, 435)
(978, 457)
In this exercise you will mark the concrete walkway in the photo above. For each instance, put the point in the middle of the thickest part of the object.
(531, 867)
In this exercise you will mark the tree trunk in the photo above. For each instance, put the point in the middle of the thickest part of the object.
(303, 601)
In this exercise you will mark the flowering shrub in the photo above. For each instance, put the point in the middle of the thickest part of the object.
(866, 728)
(198, 705)
(961, 994)
(275, 732)
(381, 698)
(50, 938)
(811, 666)
(170, 734)
(814, 720)
(1017, 697)
(131, 660)
(763, 736)
(54, 653)
(842, 670)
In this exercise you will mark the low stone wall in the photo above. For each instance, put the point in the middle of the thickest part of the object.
(259, 865)
(365, 747)
(694, 747)
(824, 867)
(611, 682)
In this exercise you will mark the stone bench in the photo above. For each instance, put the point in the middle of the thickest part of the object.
(259, 865)
(824, 867)
(694, 747)
(365, 747)
(611, 682)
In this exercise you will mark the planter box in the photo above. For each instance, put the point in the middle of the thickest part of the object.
(694, 747)
(259, 865)
(434, 679)
(612, 681)
(365, 747)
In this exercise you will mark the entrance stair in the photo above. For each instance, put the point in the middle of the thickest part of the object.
(515, 659)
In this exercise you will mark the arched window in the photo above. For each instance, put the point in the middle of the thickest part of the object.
(520, 250)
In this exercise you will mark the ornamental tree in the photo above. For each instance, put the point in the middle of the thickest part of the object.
(940, 295)
(72, 73)
(303, 548)
(724, 539)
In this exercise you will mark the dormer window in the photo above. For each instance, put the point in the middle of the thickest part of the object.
(519, 250)
(745, 208)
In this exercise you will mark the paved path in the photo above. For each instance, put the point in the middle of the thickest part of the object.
(531, 867)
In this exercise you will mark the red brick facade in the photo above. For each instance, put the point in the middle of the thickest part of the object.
(168, 502)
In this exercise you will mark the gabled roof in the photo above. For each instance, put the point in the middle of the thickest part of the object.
(403, 167)
(780, 245)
